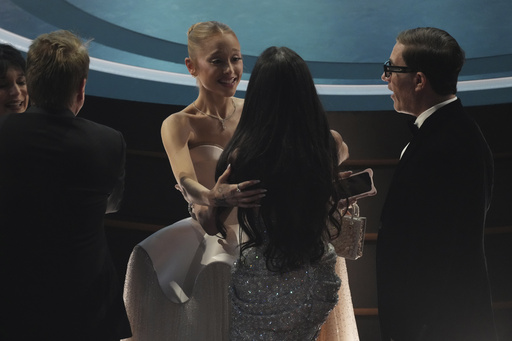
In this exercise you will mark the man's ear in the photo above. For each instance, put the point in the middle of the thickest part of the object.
(190, 66)
(420, 80)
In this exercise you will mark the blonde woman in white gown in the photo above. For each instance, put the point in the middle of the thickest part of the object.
(176, 283)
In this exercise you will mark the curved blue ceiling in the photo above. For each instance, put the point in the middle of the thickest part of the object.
(138, 46)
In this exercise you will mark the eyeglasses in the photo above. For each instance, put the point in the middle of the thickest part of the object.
(388, 69)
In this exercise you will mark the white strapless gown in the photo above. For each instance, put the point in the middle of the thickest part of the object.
(177, 279)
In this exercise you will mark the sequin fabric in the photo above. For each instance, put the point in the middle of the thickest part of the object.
(273, 306)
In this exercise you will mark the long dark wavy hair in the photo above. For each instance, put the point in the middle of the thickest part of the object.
(284, 140)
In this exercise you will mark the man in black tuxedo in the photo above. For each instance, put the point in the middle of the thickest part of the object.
(59, 175)
(431, 269)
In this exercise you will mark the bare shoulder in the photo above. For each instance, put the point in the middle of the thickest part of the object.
(177, 129)
(177, 121)
(337, 137)
(343, 152)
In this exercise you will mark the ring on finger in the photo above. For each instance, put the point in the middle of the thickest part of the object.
(238, 188)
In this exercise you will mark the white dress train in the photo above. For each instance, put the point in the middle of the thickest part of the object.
(177, 279)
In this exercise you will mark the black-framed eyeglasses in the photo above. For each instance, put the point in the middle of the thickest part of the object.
(388, 69)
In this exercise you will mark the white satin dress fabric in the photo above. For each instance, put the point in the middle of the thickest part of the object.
(177, 279)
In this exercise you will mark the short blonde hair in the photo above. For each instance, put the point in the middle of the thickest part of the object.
(57, 63)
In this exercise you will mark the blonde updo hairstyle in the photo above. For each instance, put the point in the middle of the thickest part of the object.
(201, 31)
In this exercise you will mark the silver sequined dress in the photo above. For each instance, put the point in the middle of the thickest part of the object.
(273, 306)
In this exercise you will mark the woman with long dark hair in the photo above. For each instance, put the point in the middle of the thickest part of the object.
(284, 282)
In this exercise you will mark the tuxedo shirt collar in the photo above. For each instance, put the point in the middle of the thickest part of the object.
(426, 114)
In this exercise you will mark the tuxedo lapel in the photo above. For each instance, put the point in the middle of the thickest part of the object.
(429, 127)
(413, 127)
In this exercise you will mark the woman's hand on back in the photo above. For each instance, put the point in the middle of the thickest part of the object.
(229, 195)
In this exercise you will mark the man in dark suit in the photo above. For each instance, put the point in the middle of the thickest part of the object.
(59, 175)
(431, 269)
